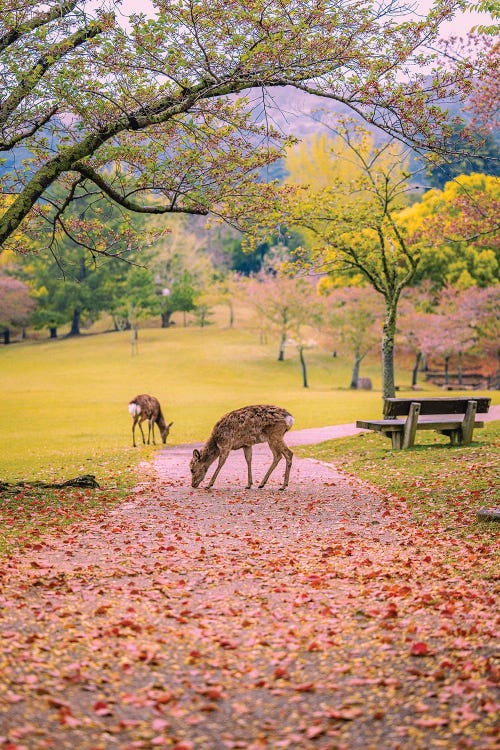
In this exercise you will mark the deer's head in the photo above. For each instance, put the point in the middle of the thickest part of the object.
(164, 431)
(198, 468)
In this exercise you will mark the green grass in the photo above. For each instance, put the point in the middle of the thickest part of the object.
(64, 409)
(439, 483)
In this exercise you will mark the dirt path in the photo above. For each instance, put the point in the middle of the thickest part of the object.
(318, 617)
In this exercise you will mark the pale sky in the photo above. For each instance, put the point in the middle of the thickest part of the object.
(459, 26)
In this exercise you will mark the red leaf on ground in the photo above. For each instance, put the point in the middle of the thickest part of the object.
(419, 649)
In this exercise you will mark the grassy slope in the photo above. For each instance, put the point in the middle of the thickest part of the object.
(67, 399)
(65, 411)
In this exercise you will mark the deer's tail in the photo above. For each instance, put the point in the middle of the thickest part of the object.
(134, 409)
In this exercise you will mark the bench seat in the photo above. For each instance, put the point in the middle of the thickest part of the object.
(404, 417)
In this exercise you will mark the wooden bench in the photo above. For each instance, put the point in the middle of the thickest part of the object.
(455, 417)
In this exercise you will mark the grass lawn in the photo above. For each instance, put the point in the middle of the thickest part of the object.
(66, 410)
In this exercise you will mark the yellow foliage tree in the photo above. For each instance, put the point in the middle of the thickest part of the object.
(350, 214)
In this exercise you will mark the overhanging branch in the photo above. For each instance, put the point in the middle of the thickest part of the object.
(124, 201)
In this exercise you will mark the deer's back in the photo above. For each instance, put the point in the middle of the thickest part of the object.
(149, 405)
(250, 425)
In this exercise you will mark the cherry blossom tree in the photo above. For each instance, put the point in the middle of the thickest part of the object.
(156, 112)
(16, 305)
(352, 318)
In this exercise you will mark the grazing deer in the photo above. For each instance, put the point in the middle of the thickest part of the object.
(242, 429)
(148, 407)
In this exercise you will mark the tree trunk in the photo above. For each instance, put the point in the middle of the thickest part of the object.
(355, 372)
(389, 333)
(446, 369)
(6, 336)
(75, 324)
(459, 367)
(414, 374)
(281, 354)
(304, 367)
(134, 340)
(53, 332)
(231, 316)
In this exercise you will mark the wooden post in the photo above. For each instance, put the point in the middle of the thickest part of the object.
(411, 425)
(468, 423)
(396, 436)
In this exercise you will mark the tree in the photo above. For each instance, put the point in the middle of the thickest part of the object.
(289, 306)
(16, 305)
(141, 300)
(355, 226)
(457, 231)
(353, 317)
(468, 143)
(72, 288)
(416, 306)
(157, 117)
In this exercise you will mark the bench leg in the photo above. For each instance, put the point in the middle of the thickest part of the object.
(468, 423)
(397, 440)
(454, 435)
(411, 425)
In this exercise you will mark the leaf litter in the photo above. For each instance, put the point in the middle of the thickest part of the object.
(321, 617)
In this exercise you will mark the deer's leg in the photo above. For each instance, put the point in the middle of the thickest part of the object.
(134, 422)
(276, 459)
(222, 460)
(151, 426)
(140, 421)
(279, 450)
(247, 450)
(288, 458)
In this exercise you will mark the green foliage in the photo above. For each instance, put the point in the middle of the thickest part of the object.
(182, 135)
(456, 232)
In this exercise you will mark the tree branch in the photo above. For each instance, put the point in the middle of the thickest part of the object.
(12, 35)
(124, 201)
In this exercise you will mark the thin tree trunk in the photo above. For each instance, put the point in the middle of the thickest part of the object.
(53, 332)
(75, 324)
(389, 333)
(134, 340)
(459, 366)
(165, 319)
(6, 336)
(304, 367)
(446, 369)
(355, 372)
(281, 354)
(414, 375)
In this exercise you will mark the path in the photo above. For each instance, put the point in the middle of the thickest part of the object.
(318, 617)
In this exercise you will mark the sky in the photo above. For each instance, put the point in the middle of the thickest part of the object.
(459, 26)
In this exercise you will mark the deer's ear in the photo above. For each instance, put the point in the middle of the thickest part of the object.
(196, 454)
(170, 425)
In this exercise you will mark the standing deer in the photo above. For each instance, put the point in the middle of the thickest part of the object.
(148, 407)
(243, 428)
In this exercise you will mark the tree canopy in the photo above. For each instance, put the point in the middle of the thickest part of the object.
(157, 114)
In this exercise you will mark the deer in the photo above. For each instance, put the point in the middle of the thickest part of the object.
(148, 407)
(244, 428)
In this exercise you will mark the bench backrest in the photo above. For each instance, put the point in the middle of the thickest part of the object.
(400, 407)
